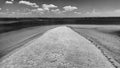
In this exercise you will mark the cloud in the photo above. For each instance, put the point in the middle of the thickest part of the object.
(38, 10)
(94, 12)
(0, 8)
(9, 2)
(69, 8)
(57, 11)
(77, 12)
(44, 8)
(28, 3)
(48, 6)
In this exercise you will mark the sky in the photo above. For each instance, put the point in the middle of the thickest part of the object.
(59, 8)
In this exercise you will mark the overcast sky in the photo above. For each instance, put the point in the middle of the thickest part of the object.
(59, 8)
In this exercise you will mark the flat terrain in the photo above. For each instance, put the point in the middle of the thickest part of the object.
(60, 47)
(106, 38)
(15, 39)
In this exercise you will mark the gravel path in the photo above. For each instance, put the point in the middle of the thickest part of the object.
(60, 47)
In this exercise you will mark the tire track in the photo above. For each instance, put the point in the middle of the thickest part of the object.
(92, 40)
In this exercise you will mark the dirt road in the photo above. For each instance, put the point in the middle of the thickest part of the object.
(60, 47)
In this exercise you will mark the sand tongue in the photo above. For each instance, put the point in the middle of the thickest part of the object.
(60, 47)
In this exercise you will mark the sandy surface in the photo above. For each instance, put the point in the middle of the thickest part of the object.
(60, 47)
